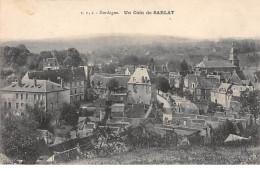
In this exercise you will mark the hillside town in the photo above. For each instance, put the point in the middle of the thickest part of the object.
(93, 109)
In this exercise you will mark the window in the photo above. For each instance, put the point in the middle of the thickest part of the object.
(193, 85)
(17, 95)
(21, 96)
(5, 104)
(9, 104)
(17, 105)
(75, 91)
(34, 96)
(22, 105)
(39, 97)
(57, 95)
(52, 86)
(26, 96)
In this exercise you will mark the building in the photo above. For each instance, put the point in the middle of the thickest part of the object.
(50, 64)
(99, 83)
(222, 94)
(203, 88)
(161, 70)
(215, 66)
(48, 95)
(190, 83)
(140, 88)
(125, 70)
(75, 79)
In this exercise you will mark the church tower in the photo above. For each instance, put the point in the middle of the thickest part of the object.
(233, 56)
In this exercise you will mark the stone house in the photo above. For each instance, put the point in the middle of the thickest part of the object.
(140, 87)
(48, 95)
(74, 79)
(222, 94)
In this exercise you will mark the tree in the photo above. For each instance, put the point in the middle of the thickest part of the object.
(113, 85)
(253, 101)
(184, 68)
(40, 116)
(162, 84)
(70, 113)
(73, 58)
(19, 138)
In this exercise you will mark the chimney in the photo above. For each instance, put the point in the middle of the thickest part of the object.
(35, 81)
(19, 82)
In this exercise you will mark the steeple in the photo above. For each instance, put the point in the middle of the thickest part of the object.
(233, 58)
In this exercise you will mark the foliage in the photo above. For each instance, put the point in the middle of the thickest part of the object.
(109, 68)
(17, 55)
(70, 113)
(40, 116)
(249, 100)
(184, 68)
(73, 58)
(222, 132)
(162, 84)
(19, 138)
(129, 60)
(113, 85)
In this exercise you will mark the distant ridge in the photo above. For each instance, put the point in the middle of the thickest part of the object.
(96, 42)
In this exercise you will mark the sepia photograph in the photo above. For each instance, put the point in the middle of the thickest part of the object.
(151, 82)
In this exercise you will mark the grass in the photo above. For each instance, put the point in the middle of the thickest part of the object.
(193, 155)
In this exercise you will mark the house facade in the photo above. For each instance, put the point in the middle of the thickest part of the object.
(74, 79)
(222, 94)
(48, 95)
(140, 88)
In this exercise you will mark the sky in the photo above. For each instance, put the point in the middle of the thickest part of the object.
(200, 19)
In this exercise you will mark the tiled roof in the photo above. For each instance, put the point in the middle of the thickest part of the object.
(206, 83)
(68, 75)
(135, 111)
(215, 64)
(28, 86)
(139, 75)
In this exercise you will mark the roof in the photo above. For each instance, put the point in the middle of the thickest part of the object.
(240, 74)
(206, 83)
(215, 64)
(131, 68)
(104, 79)
(68, 75)
(160, 68)
(188, 105)
(4, 159)
(139, 76)
(233, 137)
(118, 107)
(191, 77)
(50, 62)
(225, 75)
(224, 87)
(136, 110)
(28, 86)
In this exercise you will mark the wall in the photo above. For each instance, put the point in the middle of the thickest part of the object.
(139, 93)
